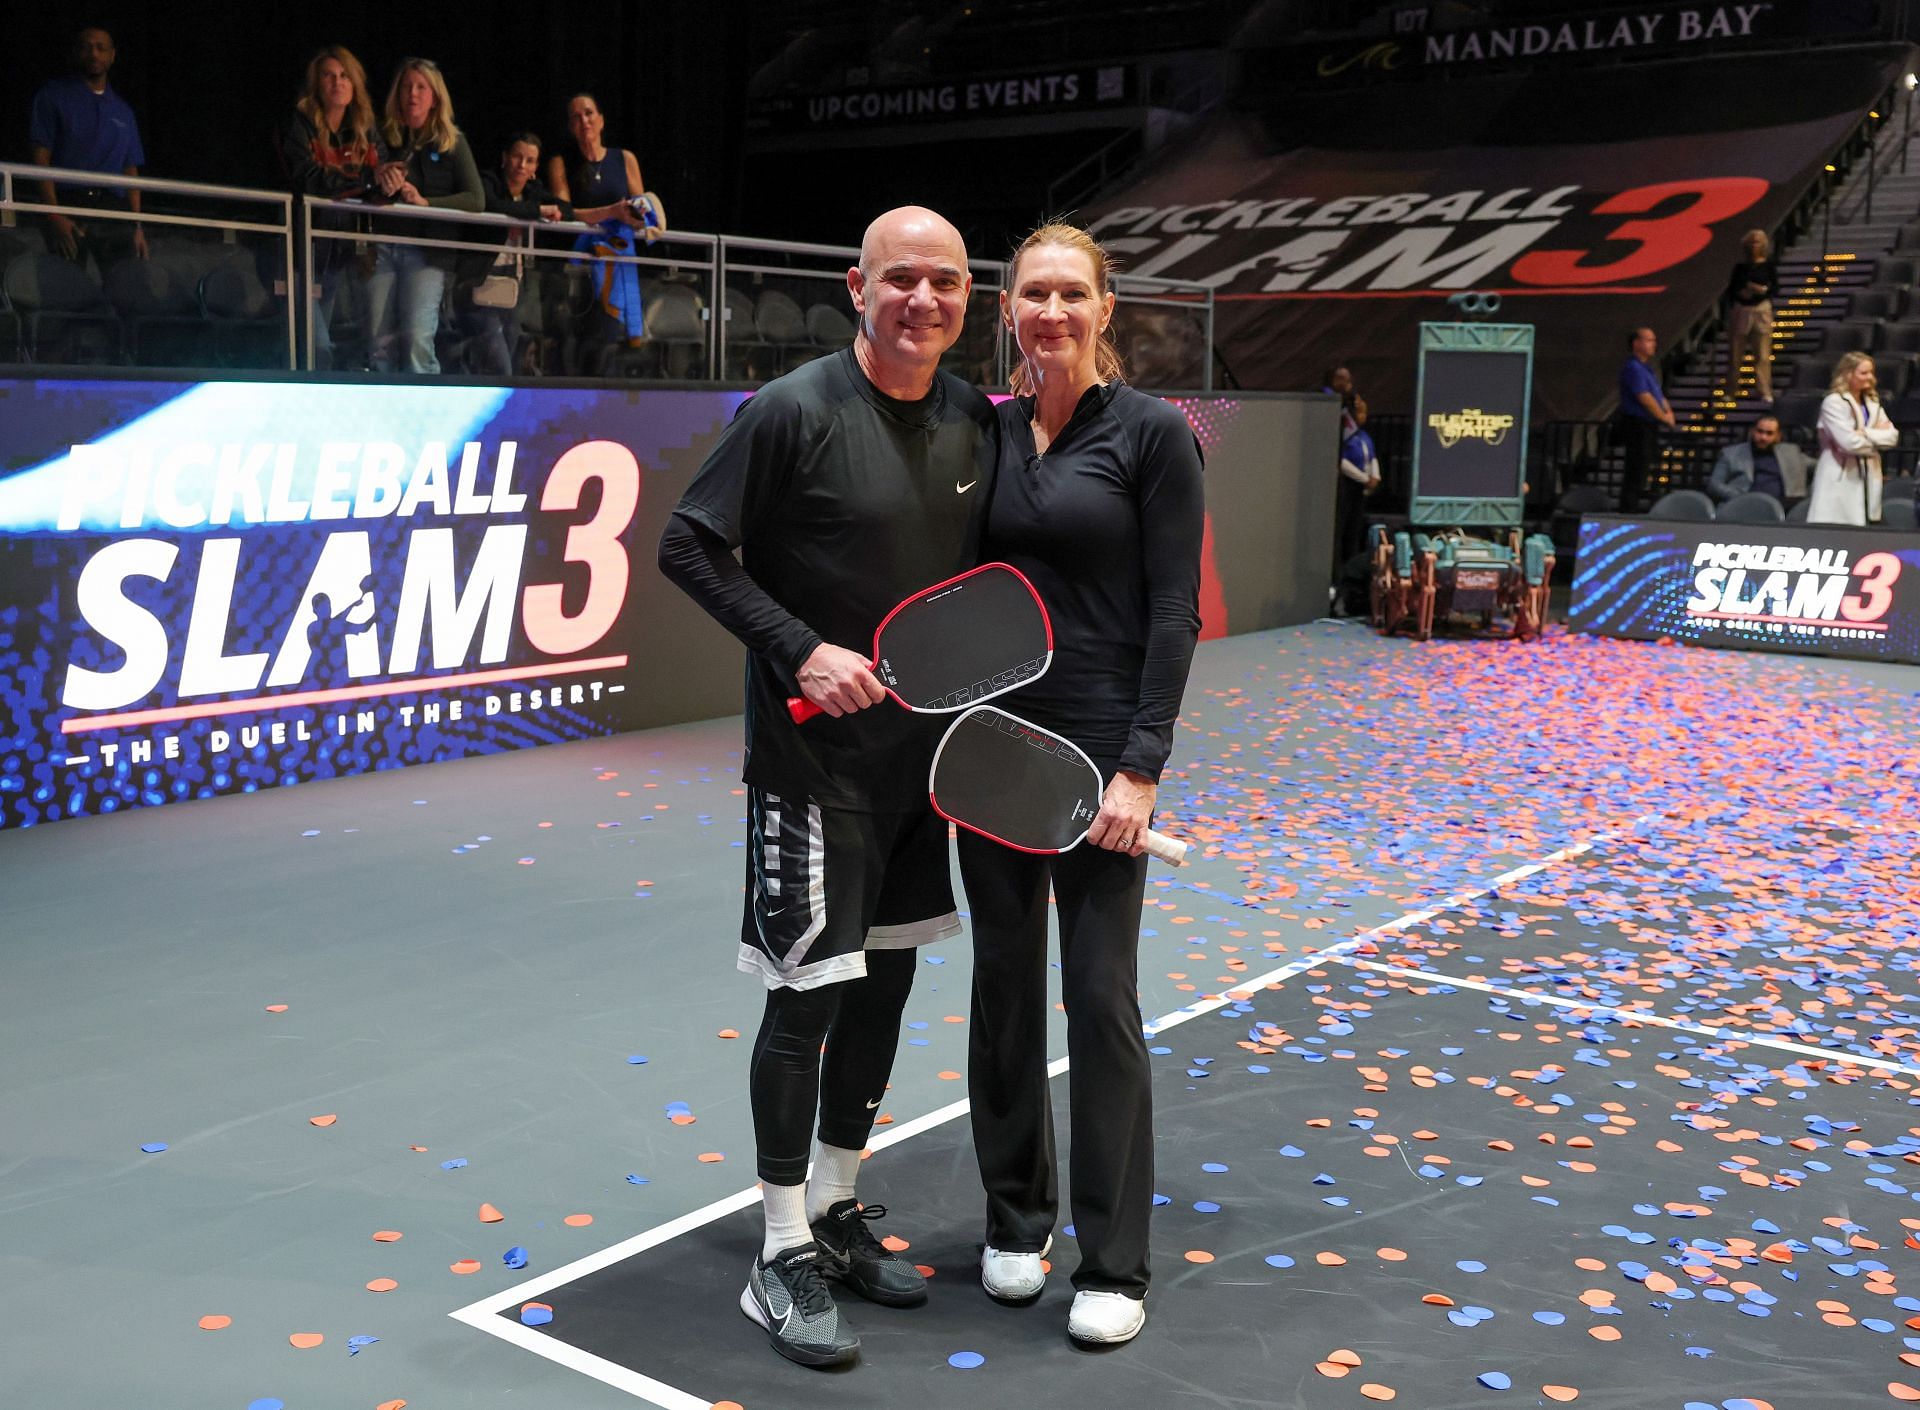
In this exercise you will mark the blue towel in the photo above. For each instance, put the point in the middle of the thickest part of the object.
(616, 286)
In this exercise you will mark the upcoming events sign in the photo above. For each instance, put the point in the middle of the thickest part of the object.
(1821, 589)
(221, 586)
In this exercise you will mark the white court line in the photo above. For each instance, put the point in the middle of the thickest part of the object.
(1705, 1030)
(485, 1314)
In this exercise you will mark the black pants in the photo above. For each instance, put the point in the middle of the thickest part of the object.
(859, 1021)
(1098, 896)
(1641, 440)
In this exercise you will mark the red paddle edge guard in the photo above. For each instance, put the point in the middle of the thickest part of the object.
(1170, 850)
(800, 709)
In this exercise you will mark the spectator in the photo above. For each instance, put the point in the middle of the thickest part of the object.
(425, 161)
(1750, 293)
(602, 187)
(1854, 429)
(1643, 411)
(490, 291)
(1762, 463)
(80, 123)
(330, 148)
(1359, 477)
(1338, 381)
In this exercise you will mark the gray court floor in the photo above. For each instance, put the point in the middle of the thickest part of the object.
(503, 977)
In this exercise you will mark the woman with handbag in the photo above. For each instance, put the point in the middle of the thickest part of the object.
(330, 148)
(489, 291)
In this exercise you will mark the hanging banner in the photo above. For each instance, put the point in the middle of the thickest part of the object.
(1321, 255)
(1815, 589)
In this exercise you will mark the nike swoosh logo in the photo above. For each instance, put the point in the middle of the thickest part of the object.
(959, 488)
(771, 914)
(872, 1104)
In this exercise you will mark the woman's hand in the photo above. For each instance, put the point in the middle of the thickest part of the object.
(389, 177)
(408, 194)
(1121, 825)
(549, 212)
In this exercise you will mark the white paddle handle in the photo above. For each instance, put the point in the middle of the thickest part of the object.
(1170, 850)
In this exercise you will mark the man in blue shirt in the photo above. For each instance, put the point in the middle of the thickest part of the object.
(80, 123)
(1643, 411)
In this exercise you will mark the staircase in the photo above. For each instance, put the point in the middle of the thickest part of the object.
(1818, 274)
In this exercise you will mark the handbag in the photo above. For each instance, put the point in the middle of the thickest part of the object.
(497, 291)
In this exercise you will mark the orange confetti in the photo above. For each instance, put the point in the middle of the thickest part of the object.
(1900, 1390)
(322, 1120)
(401, 1404)
(729, 1033)
(1373, 1390)
(1345, 1357)
(1392, 1255)
(1198, 1255)
(386, 1236)
(490, 1215)
(683, 1118)
(893, 1243)
(577, 1221)
(949, 1077)
(1437, 1300)
(382, 1285)
(1331, 1369)
(215, 1323)
(1330, 1260)
(1560, 1393)
(276, 1008)
(464, 1266)
(711, 1157)
(306, 1341)
(1604, 1333)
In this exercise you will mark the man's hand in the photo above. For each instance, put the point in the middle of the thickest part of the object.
(839, 681)
(1121, 825)
(66, 240)
(139, 242)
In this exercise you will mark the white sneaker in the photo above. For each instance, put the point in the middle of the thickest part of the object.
(1013, 1277)
(1105, 1317)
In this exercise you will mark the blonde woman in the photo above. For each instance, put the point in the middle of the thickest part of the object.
(1750, 293)
(425, 161)
(1854, 429)
(1097, 498)
(330, 148)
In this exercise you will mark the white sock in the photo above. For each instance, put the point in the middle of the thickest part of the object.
(835, 1168)
(786, 1210)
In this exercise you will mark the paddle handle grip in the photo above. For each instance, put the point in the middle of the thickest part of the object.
(800, 709)
(1170, 850)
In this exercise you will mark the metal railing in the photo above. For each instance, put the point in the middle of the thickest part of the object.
(726, 321)
(277, 223)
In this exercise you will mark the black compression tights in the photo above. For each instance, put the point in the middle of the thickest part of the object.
(859, 1021)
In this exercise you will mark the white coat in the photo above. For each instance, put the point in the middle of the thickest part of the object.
(1846, 481)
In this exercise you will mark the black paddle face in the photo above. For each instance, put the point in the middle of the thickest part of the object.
(1014, 782)
(964, 641)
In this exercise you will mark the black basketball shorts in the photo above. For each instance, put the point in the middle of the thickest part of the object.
(825, 885)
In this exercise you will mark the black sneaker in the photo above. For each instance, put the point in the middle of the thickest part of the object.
(850, 1254)
(787, 1296)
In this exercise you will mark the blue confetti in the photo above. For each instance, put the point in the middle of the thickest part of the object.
(532, 1316)
(355, 1345)
(1495, 1380)
(1279, 1260)
(1214, 1168)
(154, 1147)
(636, 1180)
(966, 1360)
(456, 1163)
(1469, 1265)
(636, 1060)
(515, 1257)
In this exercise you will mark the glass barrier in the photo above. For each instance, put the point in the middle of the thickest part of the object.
(107, 270)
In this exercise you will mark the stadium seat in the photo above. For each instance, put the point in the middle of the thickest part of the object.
(1874, 303)
(743, 338)
(1899, 486)
(248, 329)
(677, 327)
(1800, 410)
(64, 316)
(1798, 514)
(1690, 505)
(1902, 338)
(782, 327)
(1897, 272)
(161, 314)
(1894, 373)
(1898, 514)
(1751, 508)
(1853, 335)
(829, 327)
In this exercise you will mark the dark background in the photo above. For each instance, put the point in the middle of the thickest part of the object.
(213, 83)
